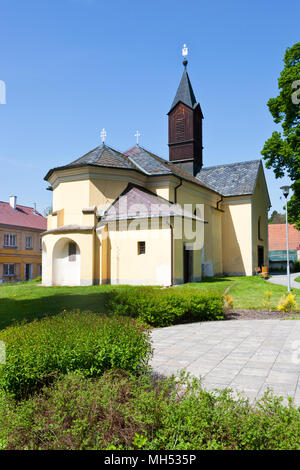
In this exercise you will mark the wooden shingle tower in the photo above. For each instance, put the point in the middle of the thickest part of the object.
(185, 126)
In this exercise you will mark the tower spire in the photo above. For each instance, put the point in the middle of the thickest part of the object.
(185, 125)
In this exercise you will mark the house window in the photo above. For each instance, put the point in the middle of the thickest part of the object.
(40, 244)
(28, 242)
(9, 269)
(72, 251)
(141, 248)
(9, 240)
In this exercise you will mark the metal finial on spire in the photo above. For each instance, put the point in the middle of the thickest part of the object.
(137, 135)
(185, 52)
(103, 135)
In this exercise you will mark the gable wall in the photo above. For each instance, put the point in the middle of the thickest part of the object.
(260, 207)
(237, 236)
(205, 202)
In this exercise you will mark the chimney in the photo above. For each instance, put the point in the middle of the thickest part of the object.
(13, 201)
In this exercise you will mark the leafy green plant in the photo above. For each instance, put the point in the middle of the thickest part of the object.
(164, 307)
(287, 303)
(228, 302)
(121, 411)
(267, 301)
(38, 352)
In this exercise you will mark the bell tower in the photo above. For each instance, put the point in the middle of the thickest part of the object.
(185, 126)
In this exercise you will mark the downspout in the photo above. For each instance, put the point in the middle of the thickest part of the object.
(218, 202)
(172, 254)
(175, 191)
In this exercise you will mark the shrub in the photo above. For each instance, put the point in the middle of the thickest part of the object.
(39, 351)
(164, 307)
(125, 412)
(228, 302)
(296, 266)
(267, 300)
(287, 303)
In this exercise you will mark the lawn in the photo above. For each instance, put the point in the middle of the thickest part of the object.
(31, 300)
(248, 292)
(297, 279)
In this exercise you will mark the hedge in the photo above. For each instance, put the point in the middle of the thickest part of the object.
(124, 412)
(39, 351)
(164, 307)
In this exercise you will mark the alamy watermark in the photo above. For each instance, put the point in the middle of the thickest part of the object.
(2, 92)
(186, 222)
(296, 94)
(2, 352)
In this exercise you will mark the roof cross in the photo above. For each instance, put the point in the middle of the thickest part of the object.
(185, 52)
(103, 135)
(137, 135)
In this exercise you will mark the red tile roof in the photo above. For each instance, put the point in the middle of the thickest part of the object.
(277, 237)
(22, 216)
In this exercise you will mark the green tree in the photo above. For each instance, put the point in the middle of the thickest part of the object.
(282, 151)
(47, 211)
(276, 218)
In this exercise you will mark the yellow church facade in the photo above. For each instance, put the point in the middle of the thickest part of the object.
(135, 218)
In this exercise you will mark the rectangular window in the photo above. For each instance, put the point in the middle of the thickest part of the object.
(9, 240)
(141, 248)
(72, 251)
(28, 242)
(9, 269)
(40, 244)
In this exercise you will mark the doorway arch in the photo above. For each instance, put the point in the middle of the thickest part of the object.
(66, 263)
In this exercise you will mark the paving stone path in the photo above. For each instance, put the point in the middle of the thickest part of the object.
(281, 279)
(249, 356)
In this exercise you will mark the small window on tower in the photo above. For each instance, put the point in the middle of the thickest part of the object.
(141, 248)
(72, 251)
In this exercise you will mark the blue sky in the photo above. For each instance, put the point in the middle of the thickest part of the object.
(72, 67)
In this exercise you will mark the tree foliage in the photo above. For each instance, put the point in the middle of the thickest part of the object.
(282, 150)
(276, 218)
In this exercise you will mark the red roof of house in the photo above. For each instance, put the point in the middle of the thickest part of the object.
(277, 237)
(22, 216)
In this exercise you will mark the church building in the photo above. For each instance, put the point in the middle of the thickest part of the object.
(135, 218)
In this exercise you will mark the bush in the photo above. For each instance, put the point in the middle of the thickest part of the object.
(296, 266)
(287, 303)
(267, 303)
(228, 302)
(125, 412)
(39, 351)
(164, 307)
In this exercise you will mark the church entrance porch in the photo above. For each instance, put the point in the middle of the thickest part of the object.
(66, 263)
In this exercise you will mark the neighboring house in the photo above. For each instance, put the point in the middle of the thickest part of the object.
(116, 215)
(277, 245)
(20, 241)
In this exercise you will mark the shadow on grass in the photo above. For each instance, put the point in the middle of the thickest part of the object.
(14, 310)
(217, 279)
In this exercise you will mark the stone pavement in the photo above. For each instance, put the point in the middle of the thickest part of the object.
(249, 356)
(281, 279)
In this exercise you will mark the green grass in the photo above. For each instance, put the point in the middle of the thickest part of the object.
(30, 300)
(297, 280)
(248, 292)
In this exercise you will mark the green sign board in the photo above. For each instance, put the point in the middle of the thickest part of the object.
(280, 255)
